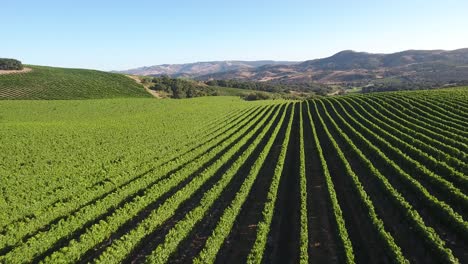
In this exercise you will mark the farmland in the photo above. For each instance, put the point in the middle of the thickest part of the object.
(51, 83)
(361, 178)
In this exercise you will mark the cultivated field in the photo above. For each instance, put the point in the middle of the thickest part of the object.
(377, 178)
(50, 83)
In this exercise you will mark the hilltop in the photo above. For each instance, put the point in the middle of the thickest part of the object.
(60, 83)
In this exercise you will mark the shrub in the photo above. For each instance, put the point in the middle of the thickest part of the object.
(10, 64)
(257, 96)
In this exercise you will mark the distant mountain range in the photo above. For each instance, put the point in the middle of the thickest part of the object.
(344, 67)
(192, 70)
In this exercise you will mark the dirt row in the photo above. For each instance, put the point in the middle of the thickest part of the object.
(24, 70)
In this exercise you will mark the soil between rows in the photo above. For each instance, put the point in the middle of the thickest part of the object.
(283, 241)
(323, 238)
(128, 225)
(53, 222)
(150, 242)
(366, 245)
(394, 219)
(238, 244)
(194, 243)
(452, 238)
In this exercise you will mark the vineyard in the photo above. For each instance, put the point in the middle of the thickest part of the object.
(376, 178)
(51, 83)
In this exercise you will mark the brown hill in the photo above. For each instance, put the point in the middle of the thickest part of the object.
(350, 66)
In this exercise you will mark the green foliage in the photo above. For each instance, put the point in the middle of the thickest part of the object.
(273, 86)
(256, 253)
(257, 96)
(304, 234)
(432, 239)
(180, 88)
(122, 247)
(117, 140)
(421, 168)
(81, 175)
(10, 64)
(183, 228)
(336, 209)
(398, 85)
(225, 223)
(368, 206)
(229, 91)
(59, 83)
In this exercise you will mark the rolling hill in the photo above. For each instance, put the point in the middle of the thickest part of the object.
(432, 68)
(196, 69)
(59, 83)
(350, 66)
(178, 88)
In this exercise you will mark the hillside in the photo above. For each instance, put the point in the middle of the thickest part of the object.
(200, 68)
(179, 88)
(410, 69)
(360, 67)
(60, 83)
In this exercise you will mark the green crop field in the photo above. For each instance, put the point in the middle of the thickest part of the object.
(360, 178)
(60, 83)
(229, 91)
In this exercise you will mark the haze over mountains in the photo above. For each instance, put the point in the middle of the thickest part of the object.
(343, 67)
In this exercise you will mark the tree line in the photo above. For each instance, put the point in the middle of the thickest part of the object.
(409, 85)
(180, 88)
(274, 87)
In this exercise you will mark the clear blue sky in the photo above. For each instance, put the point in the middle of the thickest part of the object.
(116, 34)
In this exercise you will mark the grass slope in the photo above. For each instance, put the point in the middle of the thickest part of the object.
(60, 83)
